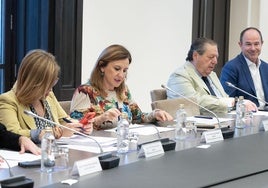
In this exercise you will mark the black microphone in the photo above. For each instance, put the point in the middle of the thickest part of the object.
(107, 160)
(167, 143)
(15, 181)
(227, 132)
(243, 91)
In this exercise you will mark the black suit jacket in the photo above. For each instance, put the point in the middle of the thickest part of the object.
(8, 140)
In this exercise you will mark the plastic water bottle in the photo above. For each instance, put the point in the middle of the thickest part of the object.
(240, 113)
(122, 134)
(180, 129)
(47, 153)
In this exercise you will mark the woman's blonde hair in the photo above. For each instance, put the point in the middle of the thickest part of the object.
(111, 53)
(37, 74)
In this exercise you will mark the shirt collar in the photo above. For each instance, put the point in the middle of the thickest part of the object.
(250, 63)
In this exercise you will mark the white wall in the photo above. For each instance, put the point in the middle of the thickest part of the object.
(246, 13)
(156, 32)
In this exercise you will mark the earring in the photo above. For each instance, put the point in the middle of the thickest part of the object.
(102, 73)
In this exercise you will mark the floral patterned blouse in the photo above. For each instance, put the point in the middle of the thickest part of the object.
(86, 98)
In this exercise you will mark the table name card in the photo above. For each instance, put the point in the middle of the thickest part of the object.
(86, 166)
(151, 149)
(213, 136)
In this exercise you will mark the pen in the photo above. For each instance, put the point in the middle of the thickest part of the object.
(117, 106)
(66, 120)
(204, 117)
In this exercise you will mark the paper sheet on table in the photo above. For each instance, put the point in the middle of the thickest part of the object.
(209, 123)
(82, 143)
(145, 129)
(92, 148)
(81, 140)
(13, 157)
(259, 113)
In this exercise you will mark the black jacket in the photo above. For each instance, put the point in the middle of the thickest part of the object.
(8, 140)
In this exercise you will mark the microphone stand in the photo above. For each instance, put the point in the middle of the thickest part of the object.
(15, 181)
(243, 91)
(167, 144)
(226, 131)
(107, 160)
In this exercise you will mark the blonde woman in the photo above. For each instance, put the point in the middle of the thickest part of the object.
(32, 91)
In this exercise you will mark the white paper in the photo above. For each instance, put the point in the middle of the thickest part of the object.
(81, 143)
(92, 148)
(208, 122)
(259, 113)
(145, 130)
(81, 140)
(13, 157)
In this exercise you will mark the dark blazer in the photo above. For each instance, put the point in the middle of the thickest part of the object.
(8, 140)
(236, 71)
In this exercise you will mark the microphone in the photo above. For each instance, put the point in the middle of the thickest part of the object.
(226, 131)
(243, 91)
(167, 143)
(15, 181)
(107, 160)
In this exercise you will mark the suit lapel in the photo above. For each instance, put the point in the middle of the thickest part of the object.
(246, 72)
(190, 68)
(28, 120)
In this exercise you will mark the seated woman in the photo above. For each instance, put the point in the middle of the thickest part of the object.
(107, 95)
(37, 75)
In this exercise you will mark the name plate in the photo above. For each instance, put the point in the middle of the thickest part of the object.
(265, 125)
(151, 149)
(213, 136)
(86, 166)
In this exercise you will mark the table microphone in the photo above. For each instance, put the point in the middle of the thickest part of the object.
(227, 132)
(167, 143)
(15, 181)
(243, 91)
(107, 160)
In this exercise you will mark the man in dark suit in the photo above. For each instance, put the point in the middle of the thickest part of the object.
(247, 71)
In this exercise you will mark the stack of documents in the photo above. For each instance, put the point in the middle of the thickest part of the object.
(209, 122)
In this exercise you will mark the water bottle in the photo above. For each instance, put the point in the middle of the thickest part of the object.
(47, 153)
(122, 134)
(180, 129)
(240, 113)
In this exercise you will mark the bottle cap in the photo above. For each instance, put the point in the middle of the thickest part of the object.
(124, 115)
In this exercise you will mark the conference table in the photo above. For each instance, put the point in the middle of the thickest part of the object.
(235, 162)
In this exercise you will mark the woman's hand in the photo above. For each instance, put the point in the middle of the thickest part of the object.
(27, 145)
(86, 129)
(161, 115)
(110, 115)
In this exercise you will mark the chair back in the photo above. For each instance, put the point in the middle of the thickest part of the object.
(172, 105)
(158, 94)
(66, 106)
